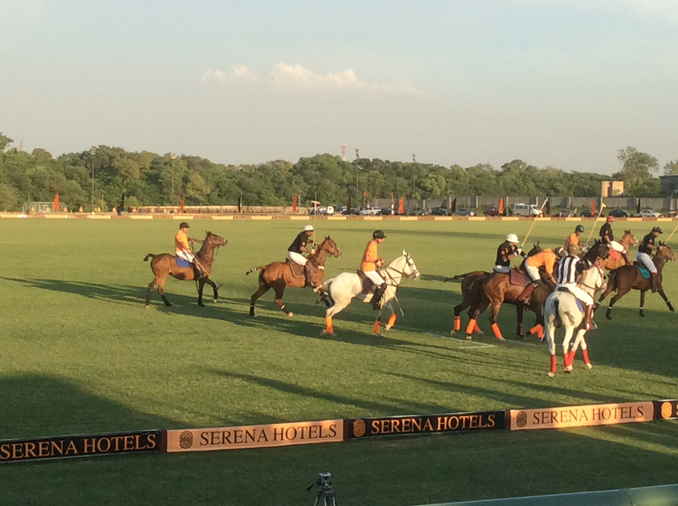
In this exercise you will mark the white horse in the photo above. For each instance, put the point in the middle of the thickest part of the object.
(561, 310)
(347, 286)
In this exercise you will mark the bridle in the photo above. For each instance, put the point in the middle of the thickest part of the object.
(408, 263)
(601, 276)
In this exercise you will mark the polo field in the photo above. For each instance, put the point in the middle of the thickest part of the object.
(83, 355)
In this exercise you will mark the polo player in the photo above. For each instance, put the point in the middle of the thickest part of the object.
(294, 252)
(505, 252)
(573, 238)
(182, 250)
(369, 264)
(569, 270)
(547, 259)
(607, 237)
(644, 255)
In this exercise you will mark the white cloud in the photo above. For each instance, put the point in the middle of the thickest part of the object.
(297, 78)
(239, 73)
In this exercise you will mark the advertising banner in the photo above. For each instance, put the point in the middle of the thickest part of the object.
(581, 416)
(425, 424)
(664, 410)
(60, 447)
(255, 436)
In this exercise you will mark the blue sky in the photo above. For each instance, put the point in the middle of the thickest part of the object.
(563, 83)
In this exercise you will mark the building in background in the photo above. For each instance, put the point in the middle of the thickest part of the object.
(611, 188)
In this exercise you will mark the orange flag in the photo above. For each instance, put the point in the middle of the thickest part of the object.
(294, 203)
(56, 203)
(401, 205)
(183, 201)
(500, 207)
(593, 206)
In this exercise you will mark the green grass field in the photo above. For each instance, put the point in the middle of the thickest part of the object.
(81, 354)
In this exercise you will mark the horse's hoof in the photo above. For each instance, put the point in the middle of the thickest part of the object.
(201, 305)
(147, 306)
(501, 339)
(290, 314)
(215, 300)
(469, 338)
(551, 374)
(642, 314)
(452, 332)
(387, 328)
(568, 369)
(589, 366)
(326, 333)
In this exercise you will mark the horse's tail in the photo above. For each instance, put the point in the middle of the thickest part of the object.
(150, 255)
(259, 268)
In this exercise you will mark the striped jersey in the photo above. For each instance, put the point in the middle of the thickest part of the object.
(567, 270)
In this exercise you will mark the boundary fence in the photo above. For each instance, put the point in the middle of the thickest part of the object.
(332, 431)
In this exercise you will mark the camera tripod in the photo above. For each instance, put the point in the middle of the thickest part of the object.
(326, 494)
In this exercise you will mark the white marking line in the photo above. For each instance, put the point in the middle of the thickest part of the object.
(475, 342)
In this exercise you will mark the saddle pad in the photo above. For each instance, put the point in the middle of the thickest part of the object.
(181, 262)
(366, 283)
(615, 255)
(580, 306)
(643, 271)
(517, 277)
(297, 270)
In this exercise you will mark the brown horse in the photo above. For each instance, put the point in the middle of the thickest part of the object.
(278, 275)
(628, 278)
(165, 264)
(473, 297)
(616, 260)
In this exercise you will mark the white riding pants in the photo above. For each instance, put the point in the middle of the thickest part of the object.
(297, 258)
(646, 261)
(579, 293)
(375, 277)
(615, 246)
(185, 255)
(532, 272)
(502, 269)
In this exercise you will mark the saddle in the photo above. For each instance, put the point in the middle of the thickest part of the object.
(517, 277)
(181, 262)
(580, 305)
(615, 255)
(643, 271)
(366, 284)
(297, 270)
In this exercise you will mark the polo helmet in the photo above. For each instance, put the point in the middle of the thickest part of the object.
(512, 238)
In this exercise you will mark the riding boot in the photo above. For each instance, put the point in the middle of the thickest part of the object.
(627, 259)
(199, 270)
(653, 282)
(376, 298)
(307, 274)
(527, 291)
(588, 318)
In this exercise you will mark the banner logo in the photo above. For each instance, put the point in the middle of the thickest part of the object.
(255, 436)
(581, 416)
(666, 409)
(423, 424)
(186, 439)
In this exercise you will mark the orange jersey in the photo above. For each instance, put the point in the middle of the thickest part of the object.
(545, 258)
(370, 257)
(571, 239)
(180, 242)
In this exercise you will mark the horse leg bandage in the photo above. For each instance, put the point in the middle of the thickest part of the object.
(377, 327)
(586, 356)
(497, 332)
(328, 326)
(457, 323)
(554, 367)
(392, 320)
(471, 325)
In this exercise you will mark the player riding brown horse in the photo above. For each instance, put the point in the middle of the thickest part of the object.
(629, 277)
(616, 260)
(165, 264)
(279, 275)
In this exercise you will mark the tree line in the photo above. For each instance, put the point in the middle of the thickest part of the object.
(146, 178)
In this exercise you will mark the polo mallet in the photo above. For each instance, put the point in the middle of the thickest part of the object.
(534, 222)
(602, 206)
(669, 237)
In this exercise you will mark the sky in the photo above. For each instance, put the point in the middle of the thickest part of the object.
(561, 83)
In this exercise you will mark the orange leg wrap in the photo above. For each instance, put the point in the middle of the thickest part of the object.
(586, 356)
(377, 327)
(476, 329)
(554, 368)
(392, 320)
(537, 329)
(457, 323)
(328, 326)
(470, 327)
(497, 332)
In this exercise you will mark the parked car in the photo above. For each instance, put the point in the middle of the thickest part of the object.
(566, 213)
(618, 213)
(649, 213)
(587, 213)
(491, 211)
(386, 211)
(441, 211)
(526, 210)
(465, 212)
(417, 212)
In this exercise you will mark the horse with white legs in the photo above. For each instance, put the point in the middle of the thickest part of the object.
(561, 310)
(348, 286)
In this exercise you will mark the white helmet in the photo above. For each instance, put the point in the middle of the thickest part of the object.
(308, 228)
(512, 238)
